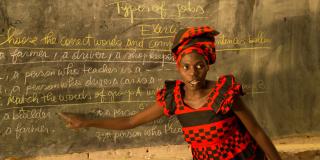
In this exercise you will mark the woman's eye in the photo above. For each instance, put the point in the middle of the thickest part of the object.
(185, 67)
(198, 66)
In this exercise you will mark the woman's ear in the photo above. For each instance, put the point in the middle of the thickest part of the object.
(177, 67)
(208, 68)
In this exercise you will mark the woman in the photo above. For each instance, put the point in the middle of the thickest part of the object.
(214, 119)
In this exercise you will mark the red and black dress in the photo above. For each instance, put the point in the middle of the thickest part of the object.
(213, 131)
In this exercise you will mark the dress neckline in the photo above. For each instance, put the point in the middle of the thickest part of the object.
(181, 91)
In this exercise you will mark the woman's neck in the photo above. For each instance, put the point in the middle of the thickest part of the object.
(192, 93)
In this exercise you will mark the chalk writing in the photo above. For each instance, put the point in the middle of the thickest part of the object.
(115, 136)
(38, 74)
(81, 104)
(103, 136)
(110, 95)
(24, 99)
(114, 42)
(67, 42)
(71, 97)
(22, 130)
(13, 38)
(123, 112)
(157, 29)
(67, 71)
(15, 76)
(7, 131)
(30, 114)
(158, 42)
(88, 55)
(151, 92)
(87, 41)
(163, 11)
(172, 127)
(131, 43)
(105, 82)
(126, 134)
(259, 38)
(14, 89)
(105, 69)
(129, 10)
(36, 98)
(18, 54)
(154, 131)
(32, 95)
(69, 83)
(188, 8)
(50, 38)
(257, 87)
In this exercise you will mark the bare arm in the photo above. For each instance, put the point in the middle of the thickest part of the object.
(152, 112)
(255, 130)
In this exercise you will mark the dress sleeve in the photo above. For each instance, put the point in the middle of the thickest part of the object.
(232, 91)
(165, 98)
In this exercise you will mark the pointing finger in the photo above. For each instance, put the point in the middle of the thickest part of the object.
(64, 116)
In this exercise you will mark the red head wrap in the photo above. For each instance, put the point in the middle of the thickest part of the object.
(195, 39)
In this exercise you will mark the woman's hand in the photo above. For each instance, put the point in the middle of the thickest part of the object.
(249, 121)
(149, 114)
(73, 121)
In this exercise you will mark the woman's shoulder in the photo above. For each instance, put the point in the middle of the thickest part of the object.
(220, 80)
(227, 80)
(226, 77)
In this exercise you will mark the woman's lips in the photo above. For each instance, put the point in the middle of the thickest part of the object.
(194, 82)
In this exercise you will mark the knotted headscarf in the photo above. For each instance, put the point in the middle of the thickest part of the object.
(195, 39)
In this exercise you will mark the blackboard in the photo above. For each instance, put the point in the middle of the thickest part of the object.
(106, 58)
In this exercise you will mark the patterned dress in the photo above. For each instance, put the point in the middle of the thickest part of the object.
(213, 131)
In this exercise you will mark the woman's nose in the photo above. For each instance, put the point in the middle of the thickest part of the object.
(193, 71)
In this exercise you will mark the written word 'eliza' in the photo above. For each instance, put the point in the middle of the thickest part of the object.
(13, 38)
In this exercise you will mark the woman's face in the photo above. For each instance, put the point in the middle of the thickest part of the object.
(193, 69)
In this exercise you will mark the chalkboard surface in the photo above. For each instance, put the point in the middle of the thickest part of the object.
(106, 58)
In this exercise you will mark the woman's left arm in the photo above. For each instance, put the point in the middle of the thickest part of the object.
(255, 130)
